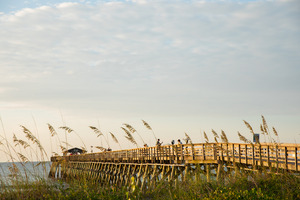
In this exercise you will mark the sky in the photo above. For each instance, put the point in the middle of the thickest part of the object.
(183, 66)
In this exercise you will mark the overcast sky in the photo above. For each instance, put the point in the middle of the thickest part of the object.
(185, 66)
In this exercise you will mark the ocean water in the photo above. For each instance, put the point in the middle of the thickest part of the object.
(29, 171)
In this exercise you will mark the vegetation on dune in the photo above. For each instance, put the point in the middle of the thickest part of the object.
(31, 185)
(247, 186)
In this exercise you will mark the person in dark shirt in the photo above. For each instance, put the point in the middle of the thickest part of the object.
(158, 143)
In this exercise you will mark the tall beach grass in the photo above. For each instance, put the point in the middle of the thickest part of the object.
(20, 178)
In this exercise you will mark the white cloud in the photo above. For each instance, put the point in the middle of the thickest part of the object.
(162, 58)
(140, 1)
(184, 66)
(5, 89)
(66, 5)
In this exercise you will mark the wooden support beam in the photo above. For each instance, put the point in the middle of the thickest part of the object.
(171, 176)
(128, 175)
(139, 175)
(144, 177)
(154, 175)
(219, 171)
(208, 172)
(186, 172)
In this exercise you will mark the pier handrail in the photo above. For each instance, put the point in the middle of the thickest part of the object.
(284, 156)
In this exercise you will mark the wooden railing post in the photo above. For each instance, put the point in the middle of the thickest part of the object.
(246, 154)
(176, 152)
(239, 153)
(268, 155)
(182, 151)
(203, 151)
(296, 159)
(260, 158)
(228, 158)
(215, 151)
(193, 152)
(286, 158)
(277, 160)
(253, 156)
(173, 153)
(233, 157)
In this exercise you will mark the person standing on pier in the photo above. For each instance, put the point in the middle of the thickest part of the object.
(180, 147)
(158, 143)
(158, 147)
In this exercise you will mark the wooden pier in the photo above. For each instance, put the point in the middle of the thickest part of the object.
(146, 166)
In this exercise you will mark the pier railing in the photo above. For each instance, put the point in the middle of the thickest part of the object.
(279, 156)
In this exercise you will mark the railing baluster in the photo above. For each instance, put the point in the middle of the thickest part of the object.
(239, 153)
(296, 159)
(286, 157)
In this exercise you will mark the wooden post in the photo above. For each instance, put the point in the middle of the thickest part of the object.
(116, 174)
(101, 174)
(260, 157)
(181, 146)
(139, 175)
(277, 160)
(163, 173)
(203, 151)
(236, 169)
(197, 172)
(239, 154)
(170, 177)
(107, 176)
(144, 177)
(90, 170)
(286, 158)
(222, 153)
(93, 170)
(96, 176)
(219, 171)
(246, 154)
(193, 152)
(186, 172)
(123, 174)
(154, 174)
(296, 159)
(176, 173)
(127, 181)
(268, 155)
(215, 151)
(233, 156)
(253, 157)
(208, 172)
(227, 152)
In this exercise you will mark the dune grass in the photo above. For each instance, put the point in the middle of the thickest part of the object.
(250, 186)
(33, 185)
